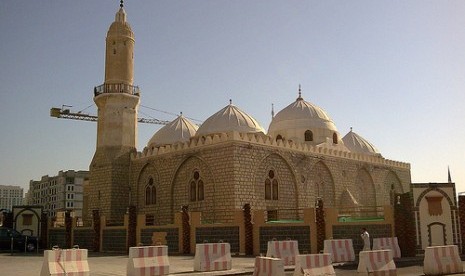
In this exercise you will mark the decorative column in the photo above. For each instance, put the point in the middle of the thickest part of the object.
(132, 226)
(462, 220)
(248, 226)
(44, 230)
(405, 224)
(96, 226)
(186, 230)
(320, 225)
(69, 228)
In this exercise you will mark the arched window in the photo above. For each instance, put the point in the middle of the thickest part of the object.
(271, 186)
(193, 191)
(196, 188)
(150, 193)
(279, 137)
(334, 138)
(200, 190)
(308, 135)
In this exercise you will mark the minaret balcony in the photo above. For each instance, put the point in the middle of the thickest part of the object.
(116, 88)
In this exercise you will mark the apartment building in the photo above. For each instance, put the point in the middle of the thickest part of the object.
(59, 193)
(10, 196)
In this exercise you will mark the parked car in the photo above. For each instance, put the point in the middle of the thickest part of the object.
(20, 242)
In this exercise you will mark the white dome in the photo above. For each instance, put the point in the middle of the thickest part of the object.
(230, 118)
(302, 117)
(179, 130)
(357, 143)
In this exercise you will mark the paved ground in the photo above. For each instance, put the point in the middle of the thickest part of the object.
(107, 265)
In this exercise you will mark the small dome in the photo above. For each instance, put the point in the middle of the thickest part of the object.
(357, 143)
(304, 122)
(230, 118)
(179, 130)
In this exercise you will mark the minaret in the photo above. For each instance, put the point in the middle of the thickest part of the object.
(117, 100)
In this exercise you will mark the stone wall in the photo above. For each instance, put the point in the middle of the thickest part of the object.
(234, 172)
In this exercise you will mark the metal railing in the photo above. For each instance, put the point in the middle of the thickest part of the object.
(284, 215)
(362, 213)
(117, 88)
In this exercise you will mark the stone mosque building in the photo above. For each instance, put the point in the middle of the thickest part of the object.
(230, 159)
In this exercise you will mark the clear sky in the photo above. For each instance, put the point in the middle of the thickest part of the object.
(392, 70)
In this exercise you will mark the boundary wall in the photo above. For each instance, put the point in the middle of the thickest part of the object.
(245, 238)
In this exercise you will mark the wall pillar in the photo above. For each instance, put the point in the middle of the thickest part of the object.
(462, 220)
(96, 225)
(69, 229)
(186, 230)
(320, 225)
(132, 226)
(248, 227)
(405, 224)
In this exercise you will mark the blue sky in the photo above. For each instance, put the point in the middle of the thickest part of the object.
(392, 70)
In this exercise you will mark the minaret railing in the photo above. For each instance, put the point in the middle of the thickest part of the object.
(117, 88)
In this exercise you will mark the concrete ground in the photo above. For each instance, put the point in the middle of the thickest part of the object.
(30, 264)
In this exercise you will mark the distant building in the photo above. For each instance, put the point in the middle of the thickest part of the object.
(10, 196)
(59, 193)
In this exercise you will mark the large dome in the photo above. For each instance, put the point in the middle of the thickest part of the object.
(305, 122)
(230, 118)
(357, 143)
(179, 130)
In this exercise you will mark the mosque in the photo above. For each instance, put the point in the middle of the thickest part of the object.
(229, 160)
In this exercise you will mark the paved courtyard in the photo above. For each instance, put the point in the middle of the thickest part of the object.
(106, 265)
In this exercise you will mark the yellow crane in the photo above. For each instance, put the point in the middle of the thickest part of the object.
(65, 113)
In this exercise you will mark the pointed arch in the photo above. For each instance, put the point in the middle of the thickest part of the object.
(275, 185)
(193, 185)
(392, 187)
(323, 183)
(364, 189)
(146, 188)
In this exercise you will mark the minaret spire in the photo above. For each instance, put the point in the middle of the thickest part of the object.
(121, 4)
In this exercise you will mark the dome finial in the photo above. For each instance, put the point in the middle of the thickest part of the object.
(300, 93)
(272, 110)
(230, 101)
(121, 4)
(350, 129)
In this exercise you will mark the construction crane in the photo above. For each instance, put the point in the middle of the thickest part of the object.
(65, 113)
